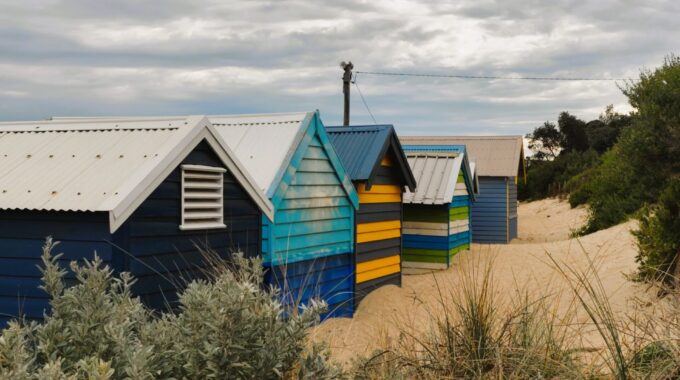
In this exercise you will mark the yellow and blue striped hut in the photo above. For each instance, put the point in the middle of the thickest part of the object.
(373, 158)
(436, 222)
(308, 247)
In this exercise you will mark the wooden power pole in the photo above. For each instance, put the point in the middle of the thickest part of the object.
(346, 79)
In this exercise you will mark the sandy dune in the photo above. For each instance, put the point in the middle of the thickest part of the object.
(544, 228)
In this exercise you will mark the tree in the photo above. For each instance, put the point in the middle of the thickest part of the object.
(545, 141)
(573, 132)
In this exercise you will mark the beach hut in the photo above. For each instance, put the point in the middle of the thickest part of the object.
(437, 215)
(499, 166)
(374, 160)
(142, 194)
(308, 246)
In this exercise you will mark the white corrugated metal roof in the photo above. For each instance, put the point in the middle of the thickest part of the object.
(495, 156)
(99, 164)
(263, 143)
(436, 176)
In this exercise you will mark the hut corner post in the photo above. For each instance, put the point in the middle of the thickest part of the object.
(346, 79)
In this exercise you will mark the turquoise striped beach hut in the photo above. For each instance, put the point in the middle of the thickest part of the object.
(308, 247)
(436, 222)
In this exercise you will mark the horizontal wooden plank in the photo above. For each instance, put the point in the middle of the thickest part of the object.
(304, 215)
(314, 191)
(408, 265)
(424, 252)
(379, 198)
(322, 250)
(321, 178)
(378, 226)
(378, 245)
(408, 258)
(379, 189)
(425, 232)
(283, 230)
(316, 166)
(386, 161)
(378, 235)
(379, 263)
(377, 273)
(305, 203)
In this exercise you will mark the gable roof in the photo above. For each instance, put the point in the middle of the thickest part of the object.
(471, 180)
(495, 156)
(361, 149)
(436, 174)
(108, 165)
(270, 146)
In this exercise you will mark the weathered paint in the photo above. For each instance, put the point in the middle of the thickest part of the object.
(313, 223)
(149, 244)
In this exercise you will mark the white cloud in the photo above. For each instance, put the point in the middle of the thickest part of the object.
(78, 57)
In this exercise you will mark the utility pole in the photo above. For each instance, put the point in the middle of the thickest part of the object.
(346, 79)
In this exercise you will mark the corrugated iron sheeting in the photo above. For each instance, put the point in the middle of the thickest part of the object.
(495, 156)
(262, 143)
(359, 148)
(436, 176)
(53, 167)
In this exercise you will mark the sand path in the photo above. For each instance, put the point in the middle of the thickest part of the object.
(544, 228)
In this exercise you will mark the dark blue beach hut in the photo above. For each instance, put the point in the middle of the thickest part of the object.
(141, 193)
(499, 165)
(308, 246)
(379, 170)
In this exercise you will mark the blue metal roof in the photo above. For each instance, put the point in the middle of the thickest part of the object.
(361, 148)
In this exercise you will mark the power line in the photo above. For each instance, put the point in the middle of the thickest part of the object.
(364, 100)
(490, 77)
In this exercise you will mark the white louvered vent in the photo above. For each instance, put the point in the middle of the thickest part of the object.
(202, 197)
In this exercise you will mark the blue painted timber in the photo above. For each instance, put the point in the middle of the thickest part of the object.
(149, 244)
(329, 278)
(490, 211)
(312, 234)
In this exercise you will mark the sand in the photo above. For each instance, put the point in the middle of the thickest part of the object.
(544, 228)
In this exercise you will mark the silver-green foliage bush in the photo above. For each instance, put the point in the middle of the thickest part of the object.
(228, 327)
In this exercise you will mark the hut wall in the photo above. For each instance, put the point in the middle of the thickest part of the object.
(512, 209)
(152, 247)
(459, 219)
(426, 237)
(22, 235)
(308, 247)
(378, 232)
(164, 255)
(490, 211)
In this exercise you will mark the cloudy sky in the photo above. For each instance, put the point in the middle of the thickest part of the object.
(79, 58)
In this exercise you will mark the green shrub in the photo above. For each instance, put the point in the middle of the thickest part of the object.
(659, 236)
(226, 328)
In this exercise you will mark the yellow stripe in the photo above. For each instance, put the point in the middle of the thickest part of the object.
(378, 226)
(378, 235)
(386, 161)
(379, 198)
(379, 189)
(377, 268)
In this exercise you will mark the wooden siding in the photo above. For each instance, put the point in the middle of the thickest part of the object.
(512, 209)
(329, 278)
(152, 247)
(22, 235)
(166, 257)
(433, 234)
(312, 232)
(378, 231)
(489, 211)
